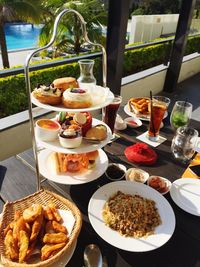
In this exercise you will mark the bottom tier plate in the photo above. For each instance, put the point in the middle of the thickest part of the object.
(48, 170)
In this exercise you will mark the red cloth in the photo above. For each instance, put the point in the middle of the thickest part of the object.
(141, 153)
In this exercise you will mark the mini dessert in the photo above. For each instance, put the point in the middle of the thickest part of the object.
(137, 175)
(83, 119)
(47, 130)
(159, 183)
(48, 94)
(98, 132)
(74, 162)
(141, 153)
(71, 137)
(76, 98)
(65, 83)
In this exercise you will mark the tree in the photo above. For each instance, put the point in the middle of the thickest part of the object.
(69, 31)
(12, 10)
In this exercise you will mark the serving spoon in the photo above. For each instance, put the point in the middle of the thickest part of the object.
(93, 256)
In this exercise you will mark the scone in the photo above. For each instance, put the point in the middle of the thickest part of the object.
(98, 132)
(48, 94)
(76, 98)
(65, 83)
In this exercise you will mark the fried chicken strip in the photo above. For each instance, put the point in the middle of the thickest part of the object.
(55, 238)
(11, 250)
(49, 250)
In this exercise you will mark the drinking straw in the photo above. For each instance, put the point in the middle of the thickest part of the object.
(151, 103)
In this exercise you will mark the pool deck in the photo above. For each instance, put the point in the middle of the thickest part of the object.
(16, 58)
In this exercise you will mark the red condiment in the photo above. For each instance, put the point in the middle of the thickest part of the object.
(132, 122)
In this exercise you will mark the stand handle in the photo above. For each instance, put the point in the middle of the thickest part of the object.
(27, 77)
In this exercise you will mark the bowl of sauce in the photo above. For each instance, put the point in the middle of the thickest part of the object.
(47, 130)
(115, 171)
(133, 122)
(161, 184)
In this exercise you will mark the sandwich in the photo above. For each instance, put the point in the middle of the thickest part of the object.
(74, 163)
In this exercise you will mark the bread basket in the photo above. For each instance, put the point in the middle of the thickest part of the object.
(41, 197)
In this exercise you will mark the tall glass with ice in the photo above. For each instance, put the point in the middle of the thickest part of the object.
(157, 111)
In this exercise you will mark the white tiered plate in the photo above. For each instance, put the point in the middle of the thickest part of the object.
(143, 118)
(185, 192)
(162, 233)
(83, 148)
(47, 169)
(101, 97)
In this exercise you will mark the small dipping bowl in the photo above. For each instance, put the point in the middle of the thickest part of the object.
(70, 138)
(137, 175)
(47, 130)
(160, 184)
(133, 122)
(115, 171)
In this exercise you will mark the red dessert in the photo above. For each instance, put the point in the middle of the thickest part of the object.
(141, 153)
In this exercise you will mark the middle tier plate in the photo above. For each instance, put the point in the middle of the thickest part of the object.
(83, 148)
(47, 169)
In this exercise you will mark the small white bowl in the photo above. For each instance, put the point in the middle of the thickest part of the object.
(47, 130)
(113, 169)
(137, 175)
(133, 122)
(157, 187)
(71, 141)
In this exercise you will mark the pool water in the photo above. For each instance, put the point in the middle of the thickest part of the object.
(19, 36)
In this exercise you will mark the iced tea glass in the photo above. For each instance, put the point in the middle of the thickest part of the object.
(109, 112)
(159, 107)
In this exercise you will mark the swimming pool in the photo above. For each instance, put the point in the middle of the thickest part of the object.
(19, 36)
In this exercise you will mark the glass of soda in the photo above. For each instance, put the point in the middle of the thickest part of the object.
(181, 114)
(109, 112)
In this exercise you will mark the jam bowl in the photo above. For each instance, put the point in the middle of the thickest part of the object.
(115, 171)
(47, 130)
(71, 136)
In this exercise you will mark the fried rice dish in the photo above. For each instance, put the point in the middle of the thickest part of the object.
(131, 215)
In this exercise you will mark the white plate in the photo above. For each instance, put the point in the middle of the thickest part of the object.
(162, 233)
(143, 118)
(83, 148)
(47, 169)
(185, 192)
(62, 262)
(101, 97)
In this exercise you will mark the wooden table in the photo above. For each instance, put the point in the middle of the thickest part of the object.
(182, 250)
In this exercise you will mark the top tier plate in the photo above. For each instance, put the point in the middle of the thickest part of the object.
(101, 97)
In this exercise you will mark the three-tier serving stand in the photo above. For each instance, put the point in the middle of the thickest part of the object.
(28, 83)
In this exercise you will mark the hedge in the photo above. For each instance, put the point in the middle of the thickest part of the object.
(13, 95)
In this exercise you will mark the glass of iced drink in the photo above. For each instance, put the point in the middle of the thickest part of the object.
(158, 107)
(109, 112)
(181, 114)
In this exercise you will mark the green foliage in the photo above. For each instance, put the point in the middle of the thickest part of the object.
(13, 95)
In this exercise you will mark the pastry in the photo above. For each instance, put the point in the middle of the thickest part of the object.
(76, 98)
(48, 94)
(71, 137)
(65, 83)
(140, 105)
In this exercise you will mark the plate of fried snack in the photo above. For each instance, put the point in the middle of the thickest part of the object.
(65, 94)
(72, 168)
(39, 230)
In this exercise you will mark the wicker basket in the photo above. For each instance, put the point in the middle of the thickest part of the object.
(42, 197)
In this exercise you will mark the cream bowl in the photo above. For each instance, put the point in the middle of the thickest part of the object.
(47, 130)
(137, 175)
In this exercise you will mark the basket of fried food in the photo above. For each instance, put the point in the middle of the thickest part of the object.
(139, 106)
(38, 230)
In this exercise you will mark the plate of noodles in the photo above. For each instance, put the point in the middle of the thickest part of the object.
(147, 220)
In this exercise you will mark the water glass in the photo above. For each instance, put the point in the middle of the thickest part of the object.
(109, 112)
(181, 114)
(157, 111)
(184, 143)
(86, 73)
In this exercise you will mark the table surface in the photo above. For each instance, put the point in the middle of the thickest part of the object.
(183, 249)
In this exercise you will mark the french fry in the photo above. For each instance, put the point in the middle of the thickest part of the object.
(55, 238)
(49, 250)
(11, 250)
(37, 224)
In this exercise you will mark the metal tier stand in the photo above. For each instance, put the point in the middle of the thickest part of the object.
(27, 77)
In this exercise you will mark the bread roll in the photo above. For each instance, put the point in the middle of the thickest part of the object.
(98, 132)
